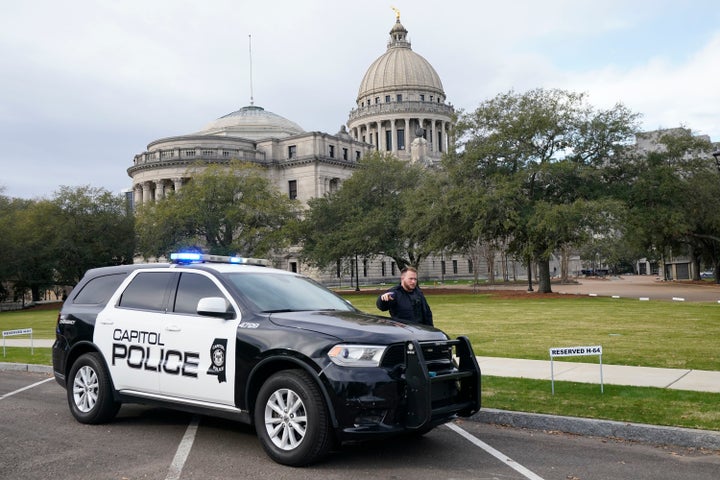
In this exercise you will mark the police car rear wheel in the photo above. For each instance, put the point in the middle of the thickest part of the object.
(90, 391)
(291, 419)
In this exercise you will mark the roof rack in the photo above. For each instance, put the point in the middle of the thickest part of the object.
(194, 257)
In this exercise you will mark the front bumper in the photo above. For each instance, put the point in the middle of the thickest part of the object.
(414, 395)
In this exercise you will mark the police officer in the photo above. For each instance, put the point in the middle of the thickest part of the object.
(406, 301)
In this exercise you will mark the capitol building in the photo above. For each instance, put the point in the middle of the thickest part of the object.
(400, 108)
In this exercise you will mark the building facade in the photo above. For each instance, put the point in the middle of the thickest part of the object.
(401, 108)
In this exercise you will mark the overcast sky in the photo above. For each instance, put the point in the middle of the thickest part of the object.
(87, 84)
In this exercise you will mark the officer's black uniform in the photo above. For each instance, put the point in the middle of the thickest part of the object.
(407, 307)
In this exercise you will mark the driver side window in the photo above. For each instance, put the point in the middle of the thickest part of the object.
(191, 288)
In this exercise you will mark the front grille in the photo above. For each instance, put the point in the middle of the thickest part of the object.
(394, 356)
(438, 356)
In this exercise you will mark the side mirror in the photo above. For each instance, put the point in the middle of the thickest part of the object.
(215, 307)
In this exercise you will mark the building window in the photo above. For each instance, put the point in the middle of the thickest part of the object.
(292, 151)
(470, 266)
(401, 139)
(382, 269)
(357, 154)
(189, 153)
(377, 100)
(345, 153)
(422, 97)
(331, 151)
(443, 270)
(399, 97)
(334, 185)
(392, 268)
(293, 267)
(292, 189)
(431, 98)
(387, 98)
(388, 140)
(209, 153)
(455, 268)
(226, 153)
(365, 268)
(338, 268)
(440, 142)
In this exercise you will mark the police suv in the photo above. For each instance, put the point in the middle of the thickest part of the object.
(228, 337)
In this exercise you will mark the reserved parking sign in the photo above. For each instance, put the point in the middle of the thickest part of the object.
(574, 352)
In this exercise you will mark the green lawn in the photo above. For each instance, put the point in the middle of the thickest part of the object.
(652, 334)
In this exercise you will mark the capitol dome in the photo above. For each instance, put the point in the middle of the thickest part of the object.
(400, 68)
(401, 106)
(252, 123)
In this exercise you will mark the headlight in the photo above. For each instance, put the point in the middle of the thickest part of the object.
(356, 355)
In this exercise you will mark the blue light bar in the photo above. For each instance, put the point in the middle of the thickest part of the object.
(194, 257)
(186, 257)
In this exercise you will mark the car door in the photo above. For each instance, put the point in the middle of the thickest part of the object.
(129, 331)
(199, 361)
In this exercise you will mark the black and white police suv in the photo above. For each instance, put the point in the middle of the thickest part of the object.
(226, 337)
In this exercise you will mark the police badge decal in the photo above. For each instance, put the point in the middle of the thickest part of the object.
(217, 359)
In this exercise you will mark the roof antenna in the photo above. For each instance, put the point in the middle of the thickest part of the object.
(252, 101)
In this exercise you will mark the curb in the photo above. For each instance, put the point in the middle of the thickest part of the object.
(25, 367)
(660, 435)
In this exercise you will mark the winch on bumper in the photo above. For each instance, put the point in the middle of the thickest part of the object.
(418, 386)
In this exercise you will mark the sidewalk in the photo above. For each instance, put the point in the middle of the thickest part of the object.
(677, 379)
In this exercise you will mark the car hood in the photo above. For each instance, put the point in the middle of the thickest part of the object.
(357, 327)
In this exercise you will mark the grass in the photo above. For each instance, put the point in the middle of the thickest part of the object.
(651, 334)
(654, 406)
(41, 320)
(39, 356)
(657, 334)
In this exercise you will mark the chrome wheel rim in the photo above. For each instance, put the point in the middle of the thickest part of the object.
(85, 389)
(285, 419)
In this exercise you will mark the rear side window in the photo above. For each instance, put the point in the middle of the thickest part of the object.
(191, 289)
(147, 291)
(99, 290)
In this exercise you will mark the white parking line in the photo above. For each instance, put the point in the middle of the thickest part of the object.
(495, 453)
(10, 394)
(183, 450)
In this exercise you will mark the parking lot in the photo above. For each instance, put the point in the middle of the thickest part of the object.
(40, 440)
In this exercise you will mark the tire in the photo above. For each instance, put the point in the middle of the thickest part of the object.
(291, 419)
(89, 391)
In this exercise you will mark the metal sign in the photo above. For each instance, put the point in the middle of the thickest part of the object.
(19, 331)
(574, 352)
(22, 331)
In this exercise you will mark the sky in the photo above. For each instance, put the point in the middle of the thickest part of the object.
(85, 85)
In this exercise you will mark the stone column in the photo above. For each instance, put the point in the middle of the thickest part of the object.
(146, 192)
(159, 190)
(137, 194)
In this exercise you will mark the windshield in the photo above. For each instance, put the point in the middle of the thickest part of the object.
(272, 292)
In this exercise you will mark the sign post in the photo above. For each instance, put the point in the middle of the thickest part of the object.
(573, 352)
(20, 331)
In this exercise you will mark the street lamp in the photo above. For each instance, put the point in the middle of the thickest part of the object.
(716, 154)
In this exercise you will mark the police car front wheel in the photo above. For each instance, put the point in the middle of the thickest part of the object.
(291, 419)
(90, 391)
